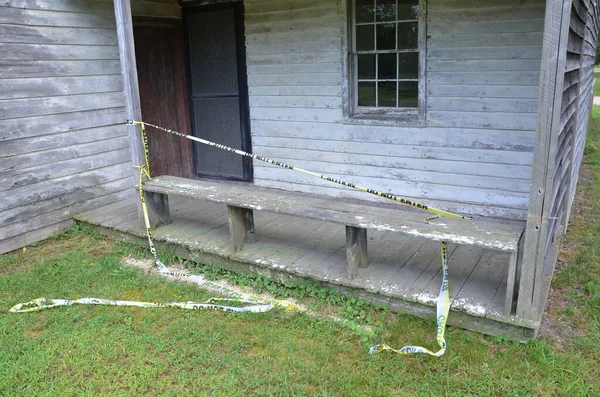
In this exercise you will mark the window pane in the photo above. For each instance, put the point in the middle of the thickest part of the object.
(408, 65)
(386, 94)
(408, 9)
(385, 10)
(364, 37)
(408, 33)
(408, 94)
(366, 66)
(364, 10)
(386, 66)
(386, 36)
(366, 94)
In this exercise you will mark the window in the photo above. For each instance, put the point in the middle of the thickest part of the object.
(385, 57)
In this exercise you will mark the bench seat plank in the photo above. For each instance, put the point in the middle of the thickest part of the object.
(365, 215)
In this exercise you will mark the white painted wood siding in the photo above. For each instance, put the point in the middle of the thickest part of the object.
(63, 144)
(473, 155)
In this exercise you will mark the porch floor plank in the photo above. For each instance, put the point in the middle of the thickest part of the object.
(400, 267)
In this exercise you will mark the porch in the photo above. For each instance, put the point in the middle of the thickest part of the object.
(403, 273)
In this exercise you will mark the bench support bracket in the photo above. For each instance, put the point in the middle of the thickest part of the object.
(356, 250)
(241, 226)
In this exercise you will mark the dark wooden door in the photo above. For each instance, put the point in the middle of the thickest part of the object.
(218, 88)
(162, 77)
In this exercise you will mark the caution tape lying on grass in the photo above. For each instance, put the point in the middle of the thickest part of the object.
(246, 303)
(443, 303)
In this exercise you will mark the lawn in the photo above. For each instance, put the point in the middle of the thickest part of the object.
(95, 351)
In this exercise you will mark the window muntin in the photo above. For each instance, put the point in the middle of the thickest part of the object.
(386, 54)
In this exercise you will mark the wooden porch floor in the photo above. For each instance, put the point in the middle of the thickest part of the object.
(403, 272)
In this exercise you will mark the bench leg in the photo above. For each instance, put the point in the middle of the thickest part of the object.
(157, 205)
(241, 226)
(251, 236)
(356, 250)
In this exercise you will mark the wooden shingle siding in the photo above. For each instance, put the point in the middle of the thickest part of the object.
(556, 173)
(476, 146)
(63, 143)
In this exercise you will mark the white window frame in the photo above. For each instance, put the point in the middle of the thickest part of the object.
(387, 115)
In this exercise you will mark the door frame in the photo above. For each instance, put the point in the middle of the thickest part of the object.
(196, 7)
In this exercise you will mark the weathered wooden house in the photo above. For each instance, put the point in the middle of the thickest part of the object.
(478, 107)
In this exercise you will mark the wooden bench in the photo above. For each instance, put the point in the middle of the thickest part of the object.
(242, 199)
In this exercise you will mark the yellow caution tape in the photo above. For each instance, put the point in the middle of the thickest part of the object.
(254, 304)
(443, 309)
(40, 304)
(306, 172)
(443, 302)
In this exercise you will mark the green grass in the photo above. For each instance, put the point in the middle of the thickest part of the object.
(91, 351)
(597, 86)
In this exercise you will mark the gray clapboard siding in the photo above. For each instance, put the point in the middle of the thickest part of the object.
(35, 235)
(302, 79)
(31, 210)
(315, 102)
(52, 52)
(84, 6)
(45, 142)
(61, 169)
(483, 91)
(17, 69)
(440, 178)
(477, 119)
(64, 142)
(512, 140)
(57, 123)
(332, 67)
(57, 35)
(278, 91)
(57, 187)
(21, 16)
(19, 88)
(453, 206)
(275, 6)
(483, 70)
(60, 214)
(26, 107)
(387, 149)
(492, 65)
(487, 27)
(435, 165)
(297, 114)
(260, 39)
(62, 153)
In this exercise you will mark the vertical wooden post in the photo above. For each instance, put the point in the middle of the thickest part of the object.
(251, 235)
(241, 226)
(158, 208)
(556, 28)
(131, 89)
(356, 250)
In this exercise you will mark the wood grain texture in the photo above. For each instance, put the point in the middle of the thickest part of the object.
(356, 250)
(503, 237)
(554, 54)
(64, 145)
(483, 66)
(318, 255)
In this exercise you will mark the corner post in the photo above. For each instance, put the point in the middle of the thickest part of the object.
(556, 28)
(131, 89)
